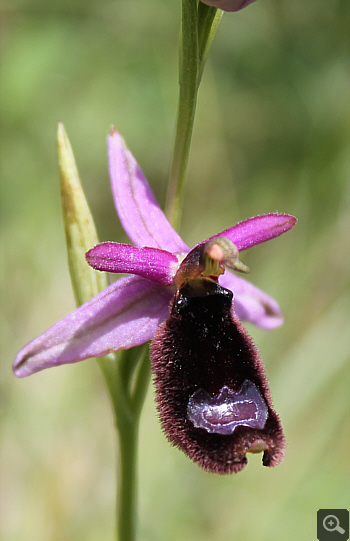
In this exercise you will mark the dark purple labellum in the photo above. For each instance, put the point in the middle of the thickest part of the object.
(212, 394)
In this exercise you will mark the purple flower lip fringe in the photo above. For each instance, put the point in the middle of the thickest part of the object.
(212, 394)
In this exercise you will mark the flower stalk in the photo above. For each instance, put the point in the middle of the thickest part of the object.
(130, 397)
(199, 24)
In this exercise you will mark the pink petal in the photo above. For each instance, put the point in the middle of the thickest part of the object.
(258, 229)
(228, 5)
(141, 216)
(251, 303)
(151, 263)
(124, 315)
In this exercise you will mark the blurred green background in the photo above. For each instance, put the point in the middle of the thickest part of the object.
(271, 135)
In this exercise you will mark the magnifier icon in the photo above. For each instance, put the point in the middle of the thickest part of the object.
(331, 524)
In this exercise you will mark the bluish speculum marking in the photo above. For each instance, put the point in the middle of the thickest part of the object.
(221, 414)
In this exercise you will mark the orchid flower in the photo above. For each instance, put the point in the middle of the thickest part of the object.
(228, 5)
(129, 311)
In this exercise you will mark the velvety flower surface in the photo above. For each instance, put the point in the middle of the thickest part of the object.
(212, 394)
(228, 5)
(128, 312)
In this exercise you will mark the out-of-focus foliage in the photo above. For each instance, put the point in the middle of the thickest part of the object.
(270, 134)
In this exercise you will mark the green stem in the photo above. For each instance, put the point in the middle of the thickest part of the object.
(208, 22)
(127, 389)
(127, 481)
(199, 24)
(188, 81)
(141, 383)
